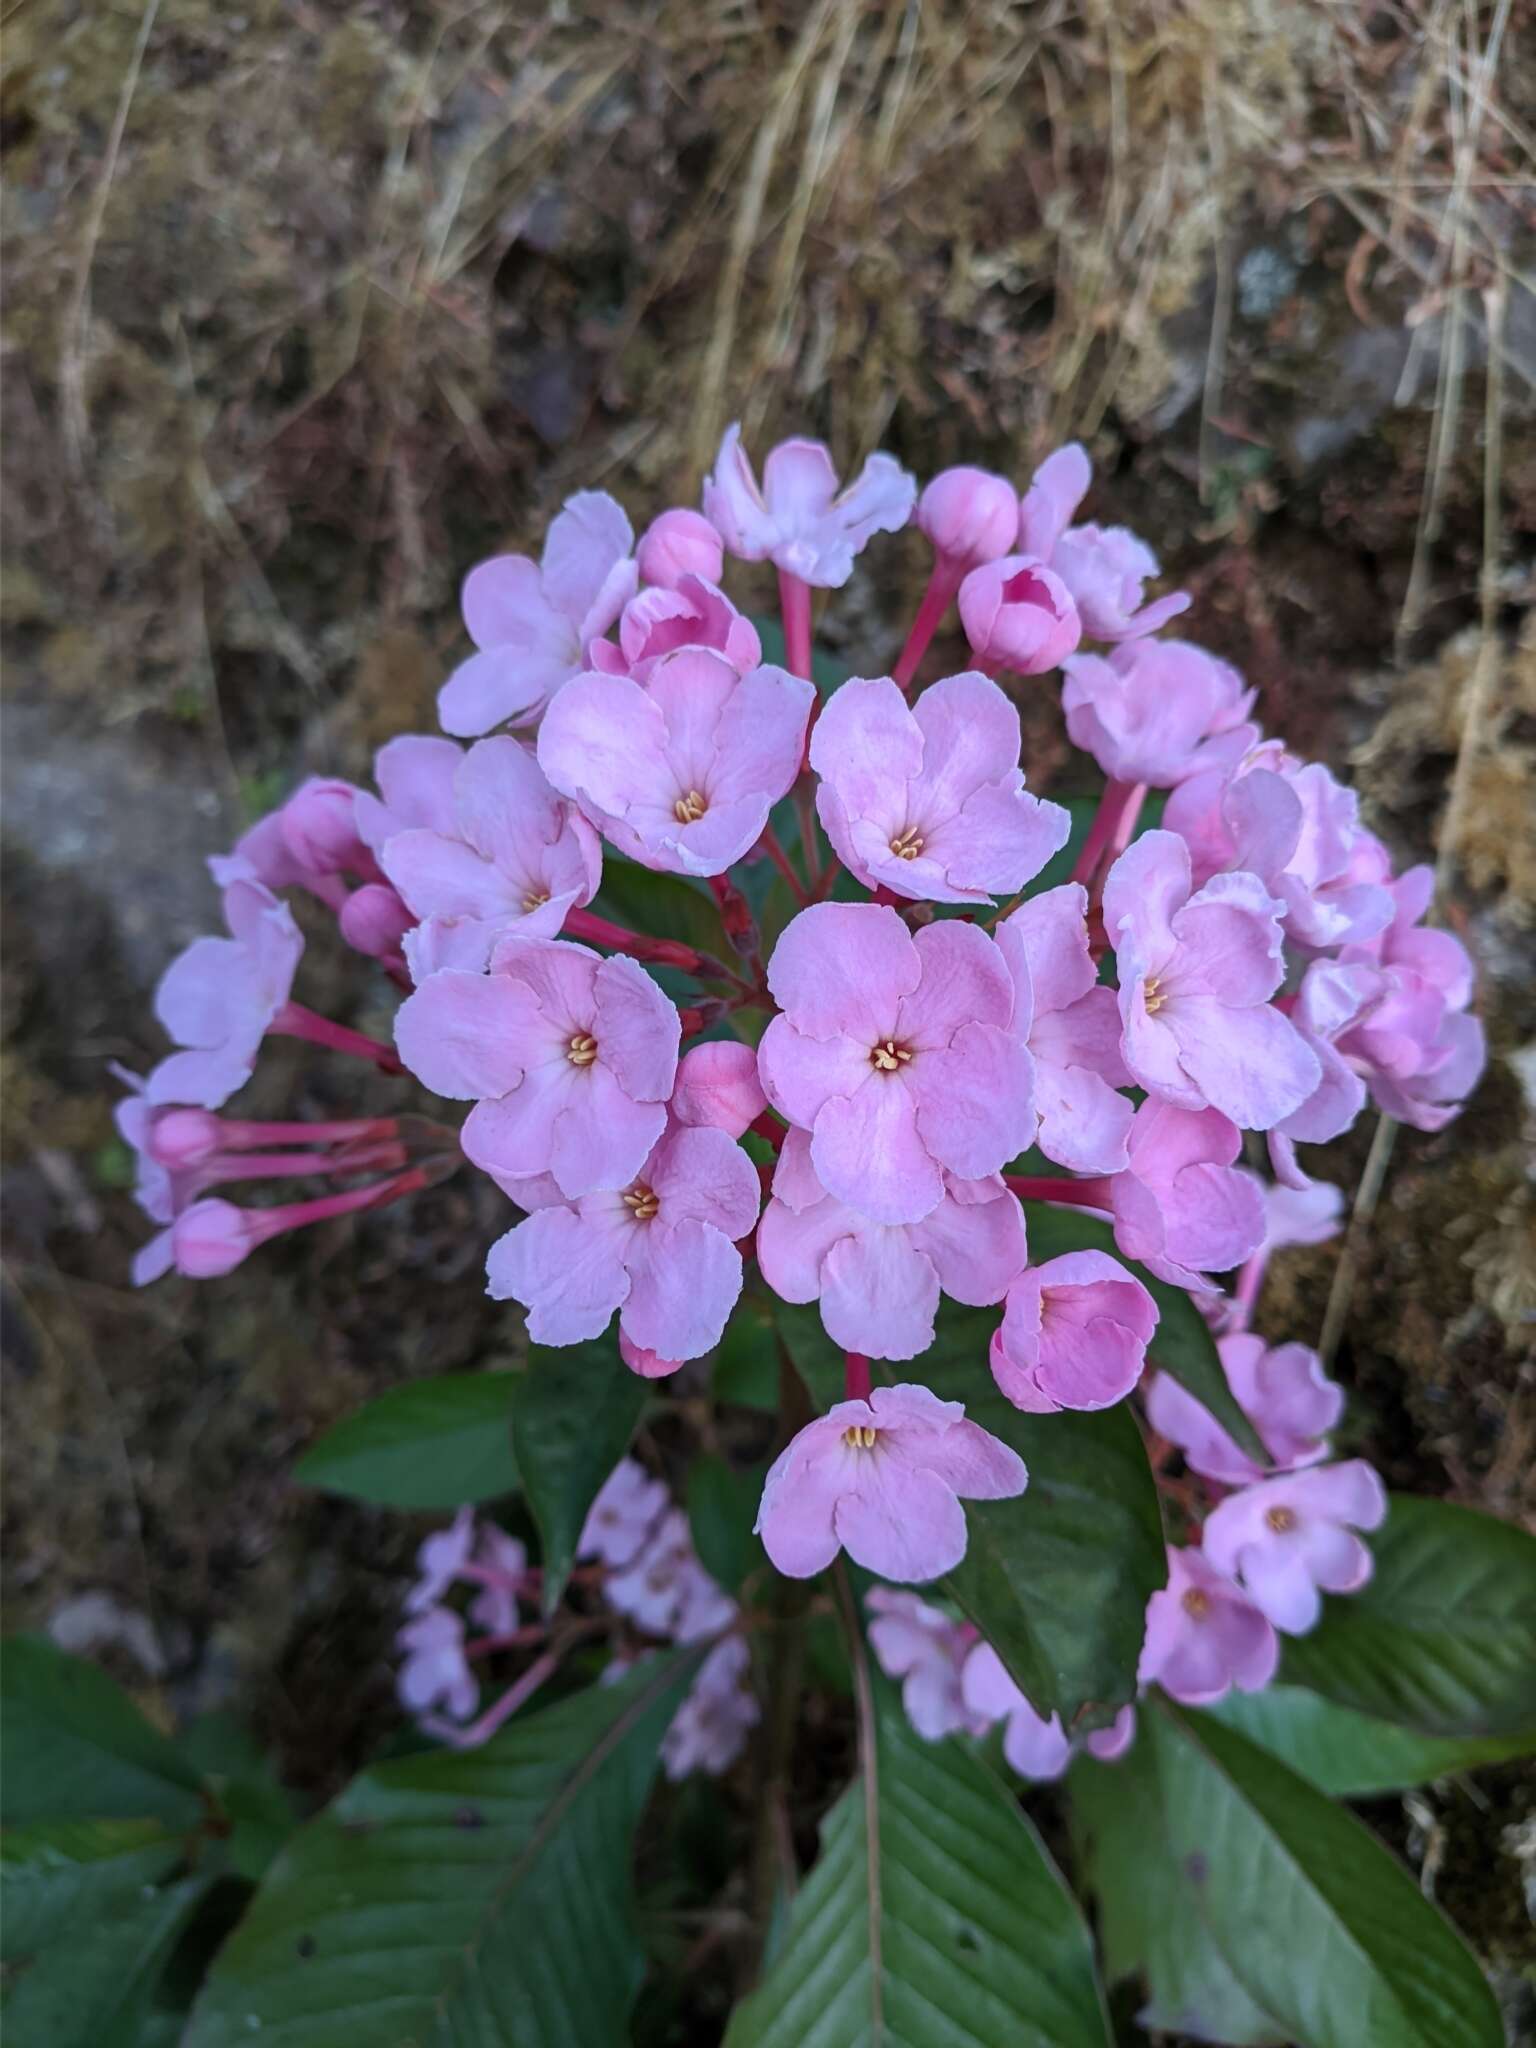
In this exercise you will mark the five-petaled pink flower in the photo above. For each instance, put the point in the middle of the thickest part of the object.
(568, 1058)
(1104, 567)
(1283, 1391)
(1036, 1747)
(893, 1050)
(928, 800)
(221, 996)
(798, 518)
(1204, 1636)
(1286, 1538)
(661, 1251)
(1074, 1334)
(679, 774)
(1144, 711)
(883, 1479)
(1196, 973)
(534, 621)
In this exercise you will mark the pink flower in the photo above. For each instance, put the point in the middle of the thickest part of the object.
(928, 799)
(895, 1052)
(922, 1647)
(568, 1058)
(679, 543)
(883, 1480)
(1182, 1207)
(1203, 1636)
(1019, 615)
(439, 1560)
(1055, 491)
(692, 613)
(970, 517)
(163, 1186)
(661, 1580)
(1143, 710)
(1285, 1394)
(1074, 1334)
(680, 775)
(1036, 1748)
(219, 999)
(1286, 1538)
(798, 519)
(1309, 1215)
(647, 1365)
(505, 1562)
(1072, 1028)
(533, 622)
(709, 1730)
(435, 1672)
(517, 857)
(626, 1509)
(319, 824)
(718, 1085)
(661, 1251)
(1104, 567)
(1196, 972)
(416, 775)
(1331, 999)
(878, 1284)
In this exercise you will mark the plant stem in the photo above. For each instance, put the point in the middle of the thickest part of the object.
(937, 598)
(294, 1020)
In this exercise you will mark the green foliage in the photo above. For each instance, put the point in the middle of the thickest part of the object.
(661, 906)
(428, 1444)
(575, 1414)
(1354, 1756)
(1443, 1637)
(933, 1917)
(722, 1506)
(481, 1899)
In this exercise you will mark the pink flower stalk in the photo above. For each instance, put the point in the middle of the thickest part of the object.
(798, 518)
(436, 1672)
(926, 1650)
(676, 544)
(718, 1086)
(1036, 1748)
(1071, 1026)
(568, 1058)
(1074, 1334)
(1286, 1538)
(212, 1237)
(1018, 615)
(1204, 1636)
(883, 1479)
(1285, 1394)
(878, 1284)
(533, 623)
(1144, 710)
(928, 800)
(1105, 568)
(1331, 999)
(661, 1251)
(710, 1728)
(1183, 1207)
(1196, 972)
(517, 858)
(222, 996)
(627, 1507)
(894, 1051)
(692, 613)
(681, 774)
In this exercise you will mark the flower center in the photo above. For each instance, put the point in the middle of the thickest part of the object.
(1153, 995)
(1196, 1604)
(1280, 1519)
(888, 1056)
(907, 844)
(641, 1201)
(535, 899)
(581, 1049)
(860, 1436)
(690, 807)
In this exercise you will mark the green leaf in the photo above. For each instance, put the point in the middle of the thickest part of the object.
(575, 1414)
(480, 1897)
(245, 1783)
(1318, 1924)
(933, 1918)
(746, 1367)
(74, 1747)
(95, 1984)
(661, 906)
(1183, 1347)
(1443, 1637)
(429, 1444)
(59, 1876)
(1058, 869)
(1353, 1756)
(722, 1506)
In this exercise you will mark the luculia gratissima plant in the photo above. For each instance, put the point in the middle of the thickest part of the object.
(892, 1157)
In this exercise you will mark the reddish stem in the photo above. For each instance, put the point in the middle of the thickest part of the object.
(1111, 805)
(1078, 1194)
(521, 1690)
(937, 598)
(583, 924)
(856, 1380)
(795, 604)
(240, 1134)
(772, 846)
(768, 1126)
(277, 1165)
(294, 1020)
(1245, 1295)
(268, 1223)
(518, 1639)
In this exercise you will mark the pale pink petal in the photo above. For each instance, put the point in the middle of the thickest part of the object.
(867, 1152)
(588, 541)
(468, 1035)
(717, 1084)
(842, 967)
(1251, 1064)
(703, 1173)
(801, 1075)
(503, 686)
(975, 1099)
(902, 1522)
(879, 1295)
(1055, 491)
(637, 1029)
(568, 1275)
(686, 1278)
(977, 1246)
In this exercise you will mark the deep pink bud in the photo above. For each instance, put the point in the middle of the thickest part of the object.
(373, 920)
(1019, 615)
(677, 544)
(717, 1083)
(970, 516)
(211, 1238)
(184, 1137)
(320, 828)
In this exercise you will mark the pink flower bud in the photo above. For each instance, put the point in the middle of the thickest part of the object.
(970, 516)
(677, 544)
(320, 828)
(211, 1238)
(717, 1083)
(1019, 615)
(184, 1137)
(373, 920)
(648, 1364)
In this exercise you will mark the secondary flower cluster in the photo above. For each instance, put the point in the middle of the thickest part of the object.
(922, 1021)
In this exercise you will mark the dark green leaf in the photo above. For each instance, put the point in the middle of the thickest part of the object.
(746, 1367)
(575, 1414)
(1352, 1755)
(1183, 1347)
(74, 1747)
(661, 906)
(449, 1899)
(1318, 1924)
(1058, 869)
(722, 1506)
(59, 1876)
(933, 1918)
(1443, 1638)
(247, 1788)
(429, 1444)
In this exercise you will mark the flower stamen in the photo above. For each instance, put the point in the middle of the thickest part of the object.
(1196, 1604)
(1152, 995)
(1280, 1519)
(860, 1436)
(907, 844)
(535, 899)
(581, 1049)
(887, 1056)
(641, 1201)
(690, 807)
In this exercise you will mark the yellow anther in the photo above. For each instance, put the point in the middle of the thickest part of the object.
(1196, 1605)
(1152, 995)
(907, 845)
(887, 1056)
(860, 1436)
(690, 807)
(535, 899)
(581, 1050)
(642, 1201)
(1280, 1519)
